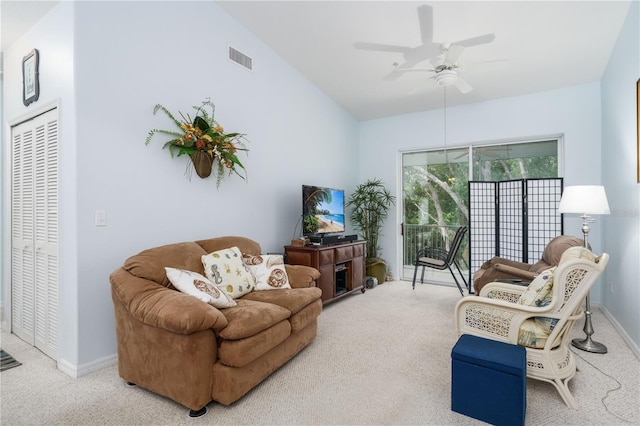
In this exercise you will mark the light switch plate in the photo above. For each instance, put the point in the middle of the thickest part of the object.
(101, 218)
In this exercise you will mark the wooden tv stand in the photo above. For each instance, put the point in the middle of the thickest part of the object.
(341, 266)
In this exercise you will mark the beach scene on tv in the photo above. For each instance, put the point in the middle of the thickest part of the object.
(323, 210)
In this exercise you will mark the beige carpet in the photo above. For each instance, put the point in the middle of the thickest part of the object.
(379, 358)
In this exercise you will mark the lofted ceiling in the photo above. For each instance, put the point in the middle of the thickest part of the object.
(18, 16)
(538, 46)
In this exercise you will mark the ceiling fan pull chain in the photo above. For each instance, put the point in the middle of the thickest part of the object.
(446, 155)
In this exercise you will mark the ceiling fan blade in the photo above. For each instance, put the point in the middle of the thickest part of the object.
(487, 62)
(453, 54)
(425, 19)
(475, 41)
(393, 75)
(416, 70)
(380, 47)
(462, 85)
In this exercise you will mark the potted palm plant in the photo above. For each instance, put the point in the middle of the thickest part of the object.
(370, 204)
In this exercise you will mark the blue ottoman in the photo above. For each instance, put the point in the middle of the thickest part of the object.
(489, 380)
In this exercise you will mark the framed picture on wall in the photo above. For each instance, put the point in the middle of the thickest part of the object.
(30, 78)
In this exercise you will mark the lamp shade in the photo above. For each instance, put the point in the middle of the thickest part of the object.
(584, 199)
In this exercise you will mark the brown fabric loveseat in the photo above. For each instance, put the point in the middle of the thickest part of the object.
(500, 268)
(182, 348)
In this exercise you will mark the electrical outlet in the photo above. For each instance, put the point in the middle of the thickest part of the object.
(611, 286)
(101, 218)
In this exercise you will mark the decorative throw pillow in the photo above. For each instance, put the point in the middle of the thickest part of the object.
(538, 290)
(198, 286)
(227, 271)
(268, 270)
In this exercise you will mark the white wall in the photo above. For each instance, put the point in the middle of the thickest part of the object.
(619, 157)
(128, 56)
(53, 37)
(573, 112)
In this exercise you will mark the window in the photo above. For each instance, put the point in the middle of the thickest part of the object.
(516, 161)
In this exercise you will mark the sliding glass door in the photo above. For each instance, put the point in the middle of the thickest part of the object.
(434, 201)
(435, 191)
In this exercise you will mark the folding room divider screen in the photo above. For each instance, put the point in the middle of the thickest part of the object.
(514, 219)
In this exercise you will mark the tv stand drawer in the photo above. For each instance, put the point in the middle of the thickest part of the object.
(343, 253)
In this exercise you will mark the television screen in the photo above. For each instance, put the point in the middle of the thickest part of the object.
(322, 210)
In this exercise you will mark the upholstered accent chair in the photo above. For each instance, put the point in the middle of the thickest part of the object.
(538, 317)
(499, 268)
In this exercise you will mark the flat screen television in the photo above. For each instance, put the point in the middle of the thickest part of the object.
(322, 210)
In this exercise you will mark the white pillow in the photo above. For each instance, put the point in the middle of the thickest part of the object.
(198, 286)
(268, 270)
(539, 288)
(226, 270)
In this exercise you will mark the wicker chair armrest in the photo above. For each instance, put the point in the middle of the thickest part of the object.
(492, 318)
(502, 291)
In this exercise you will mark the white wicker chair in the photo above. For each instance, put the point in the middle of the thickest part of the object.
(494, 314)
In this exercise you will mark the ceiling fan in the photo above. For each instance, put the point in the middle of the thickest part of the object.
(446, 73)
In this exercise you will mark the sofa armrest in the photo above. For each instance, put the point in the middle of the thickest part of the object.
(302, 276)
(520, 273)
(162, 307)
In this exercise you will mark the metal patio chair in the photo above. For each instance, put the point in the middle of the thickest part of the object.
(441, 259)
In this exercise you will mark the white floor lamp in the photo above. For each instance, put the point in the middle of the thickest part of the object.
(585, 200)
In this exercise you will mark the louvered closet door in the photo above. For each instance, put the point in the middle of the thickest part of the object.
(34, 230)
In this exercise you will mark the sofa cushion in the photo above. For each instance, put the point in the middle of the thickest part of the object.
(250, 317)
(226, 270)
(238, 353)
(305, 316)
(291, 299)
(200, 287)
(268, 270)
(149, 264)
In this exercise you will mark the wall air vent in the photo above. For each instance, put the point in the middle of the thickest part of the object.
(240, 58)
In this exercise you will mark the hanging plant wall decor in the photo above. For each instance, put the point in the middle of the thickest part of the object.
(203, 139)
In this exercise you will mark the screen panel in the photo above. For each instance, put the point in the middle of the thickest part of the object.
(543, 220)
(482, 223)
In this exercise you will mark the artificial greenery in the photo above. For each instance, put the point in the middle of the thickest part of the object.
(204, 135)
(370, 204)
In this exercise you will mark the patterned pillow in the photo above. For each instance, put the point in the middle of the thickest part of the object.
(538, 290)
(268, 270)
(226, 270)
(198, 286)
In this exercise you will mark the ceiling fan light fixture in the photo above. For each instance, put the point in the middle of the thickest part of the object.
(446, 77)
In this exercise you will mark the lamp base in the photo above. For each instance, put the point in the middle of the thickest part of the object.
(589, 345)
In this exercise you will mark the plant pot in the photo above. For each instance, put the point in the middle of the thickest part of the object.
(202, 163)
(377, 268)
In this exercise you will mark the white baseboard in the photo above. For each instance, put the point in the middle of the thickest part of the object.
(627, 339)
(84, 369)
